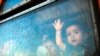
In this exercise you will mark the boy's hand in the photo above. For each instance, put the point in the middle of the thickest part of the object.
(58, 25)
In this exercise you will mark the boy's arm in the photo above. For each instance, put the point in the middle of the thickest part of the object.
(58, 26)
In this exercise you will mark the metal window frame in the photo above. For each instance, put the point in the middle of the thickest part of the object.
(95, 16)
(25, 11)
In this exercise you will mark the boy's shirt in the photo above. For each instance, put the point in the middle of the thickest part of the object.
(72, 51)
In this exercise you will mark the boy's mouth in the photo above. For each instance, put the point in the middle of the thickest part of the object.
(74, 40)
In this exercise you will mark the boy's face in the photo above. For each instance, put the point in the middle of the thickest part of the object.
(74, 35)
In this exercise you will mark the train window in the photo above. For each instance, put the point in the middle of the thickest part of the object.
(62, 28)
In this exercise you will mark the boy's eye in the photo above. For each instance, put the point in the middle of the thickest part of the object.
(75, 31)
(69, 34)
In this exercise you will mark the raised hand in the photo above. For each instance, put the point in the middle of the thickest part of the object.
(58, 25)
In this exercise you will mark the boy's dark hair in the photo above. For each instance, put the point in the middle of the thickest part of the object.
(82, 24)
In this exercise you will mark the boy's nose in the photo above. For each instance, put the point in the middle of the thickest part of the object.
(73, 36)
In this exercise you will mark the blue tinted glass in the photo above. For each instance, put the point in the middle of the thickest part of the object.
(36, 33)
